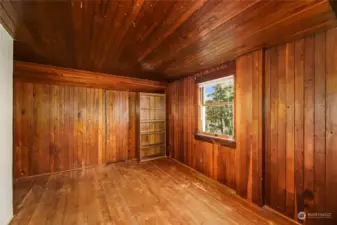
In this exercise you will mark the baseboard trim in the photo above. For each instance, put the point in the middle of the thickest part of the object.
(280, 214)
(64, 171)
(11, 220)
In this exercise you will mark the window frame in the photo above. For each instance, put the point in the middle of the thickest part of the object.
(212, 137)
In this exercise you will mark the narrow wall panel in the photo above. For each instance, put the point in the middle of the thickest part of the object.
(281, 127)
(267, 127)
(61, 151)
(320, 129)
(17, 150)
(238, 110)
(299, 124)
(132, 125)
(89, 132)
(274, 125)
(290, 129)
(124, 125)
(81, 127)
(309, 109)
(53, 124)
(41, 156)
(27, 127)
(118, 126)
(76, 130)
(69, 129)
(331, 123)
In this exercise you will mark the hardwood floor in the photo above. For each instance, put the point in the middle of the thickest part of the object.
(155, 192)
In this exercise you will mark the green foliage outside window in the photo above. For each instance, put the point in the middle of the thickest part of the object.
(219, 118)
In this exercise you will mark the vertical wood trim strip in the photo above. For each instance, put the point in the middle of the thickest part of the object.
(238, 87)
(309, 94)
(290, 131)
(320, 132)
(18, 123)
(267, 113)
(273, 125)
(331, 123)
(299, 123)
(281, 128)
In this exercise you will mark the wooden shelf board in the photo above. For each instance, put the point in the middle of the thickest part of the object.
(152, 94)
(154, 108)
(151, 121)
(154, 145)
(153, 132)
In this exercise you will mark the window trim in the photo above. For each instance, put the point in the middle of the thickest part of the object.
(223, 140)
(215, 140)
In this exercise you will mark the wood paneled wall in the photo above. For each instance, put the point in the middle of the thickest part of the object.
(60, 127)
(286, 127)
(239, 168)
(301, 124)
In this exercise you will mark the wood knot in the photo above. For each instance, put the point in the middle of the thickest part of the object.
(308, 197)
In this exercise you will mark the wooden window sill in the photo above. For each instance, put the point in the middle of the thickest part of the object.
(215, 140)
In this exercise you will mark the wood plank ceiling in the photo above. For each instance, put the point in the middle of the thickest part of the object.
(160, 40)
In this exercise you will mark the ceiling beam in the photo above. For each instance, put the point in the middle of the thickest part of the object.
(37, 73)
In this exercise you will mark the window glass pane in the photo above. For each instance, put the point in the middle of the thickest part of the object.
(218, 120)
(220, 92)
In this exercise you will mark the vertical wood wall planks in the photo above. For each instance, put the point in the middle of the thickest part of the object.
(249, 128)
(310, 100)
(299, 127)
(118, 126)
(60, 127)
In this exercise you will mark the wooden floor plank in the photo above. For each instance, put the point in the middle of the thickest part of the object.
(155, 192)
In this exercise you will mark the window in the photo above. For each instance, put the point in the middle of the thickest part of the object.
(216, 107)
